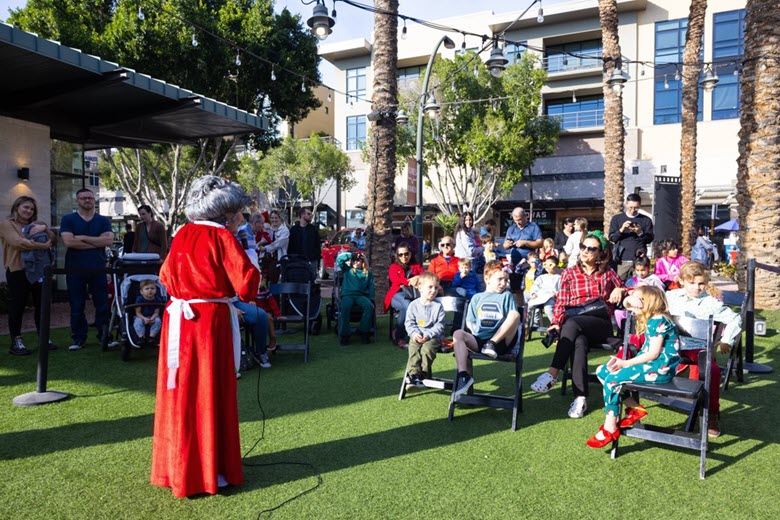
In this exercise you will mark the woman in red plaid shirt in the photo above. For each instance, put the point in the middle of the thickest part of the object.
(591, 278)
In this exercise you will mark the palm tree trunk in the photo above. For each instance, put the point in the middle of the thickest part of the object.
(381, 182)
(690, 114)
(614, 140)
(758, 174)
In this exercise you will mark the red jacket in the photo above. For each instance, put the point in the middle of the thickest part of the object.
(397, 275)
(445, 271)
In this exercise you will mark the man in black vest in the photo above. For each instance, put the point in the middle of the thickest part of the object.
(305, 239)
(629, 231)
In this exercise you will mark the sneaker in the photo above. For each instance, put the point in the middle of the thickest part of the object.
(578, 407)
(76, 346)
(489, 350)
(462, 383)
(238, 375)
(544, 383)
(713, 426)
(264, 362)
(271, 345)
(414, 381)
(18, 348)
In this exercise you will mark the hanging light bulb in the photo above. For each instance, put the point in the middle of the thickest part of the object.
(677, 75)
(303, 86)
(463, 45)
(140, 13)
(574, 97)
(497, 62)
(431, 108)
(238, 58)
(476, 70)
(540, 16)
(617, 79)
(709, 80)
(666, 82)
(273, 73)
(736, 72)
(643, 70)
(330, 98)
(194, 40)
(454, 88)
(320, 23)
(403, 31)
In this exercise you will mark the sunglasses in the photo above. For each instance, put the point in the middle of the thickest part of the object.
(404, 254)
(445, 244)
(589, 249)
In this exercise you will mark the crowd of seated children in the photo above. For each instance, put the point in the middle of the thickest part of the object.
(425, 327)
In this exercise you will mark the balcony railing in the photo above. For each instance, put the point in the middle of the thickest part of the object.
(567, 63)
(584, 119)
(328, 139)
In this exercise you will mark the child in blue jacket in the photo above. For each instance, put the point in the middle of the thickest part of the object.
(465, 282)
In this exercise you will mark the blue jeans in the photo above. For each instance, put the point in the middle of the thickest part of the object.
(258, 319)
(400, 304)
(78, 284)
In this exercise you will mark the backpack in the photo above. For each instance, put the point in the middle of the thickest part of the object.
(699, 253)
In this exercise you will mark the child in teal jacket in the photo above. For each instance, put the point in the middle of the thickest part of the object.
(357, 288)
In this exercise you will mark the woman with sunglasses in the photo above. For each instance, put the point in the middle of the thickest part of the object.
(589, 279)
(403, 275)
(357, 288)
(445, 264)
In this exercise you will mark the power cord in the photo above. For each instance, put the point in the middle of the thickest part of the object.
(281, 463)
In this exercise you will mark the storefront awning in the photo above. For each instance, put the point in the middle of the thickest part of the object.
(87, 100)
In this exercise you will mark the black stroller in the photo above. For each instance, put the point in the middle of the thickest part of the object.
(296, 269)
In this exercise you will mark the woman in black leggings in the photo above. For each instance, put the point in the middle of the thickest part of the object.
(591, 278)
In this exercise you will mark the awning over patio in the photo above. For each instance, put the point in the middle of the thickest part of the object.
(85, 99)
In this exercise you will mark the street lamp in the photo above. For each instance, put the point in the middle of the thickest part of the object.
(320, 21)
(418, 211)
(709, 80)
(497, 62)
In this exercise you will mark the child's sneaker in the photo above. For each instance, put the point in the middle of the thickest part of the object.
(489, 350)
(271, 345)
(264, 362)
(414, 381)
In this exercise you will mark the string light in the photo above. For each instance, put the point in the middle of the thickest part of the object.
(403, 31)
(666, 82)
(140, 13)
(330, 98)
(677, 75)
(303, 86)
(540, 16)
(573, 96)
(273, 73)
(476, 70)
(463, 46)
(238, 58)
(194, 40)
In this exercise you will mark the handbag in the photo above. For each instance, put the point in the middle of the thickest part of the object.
(409, 293)
(596, 307)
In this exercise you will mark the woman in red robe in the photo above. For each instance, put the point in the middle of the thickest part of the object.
(196, 445)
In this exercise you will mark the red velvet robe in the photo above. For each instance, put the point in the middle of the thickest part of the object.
(196, 423)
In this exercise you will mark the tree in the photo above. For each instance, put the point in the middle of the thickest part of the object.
(477, 152)
(614, 139)
(299, 170)
(690, 116)
(758, 175)
(381, 180)
(161, 45)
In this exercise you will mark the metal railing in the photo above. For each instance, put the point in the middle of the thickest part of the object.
(567, 63)
(584, 119)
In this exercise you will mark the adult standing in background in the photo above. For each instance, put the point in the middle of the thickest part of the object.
(86, 235)
(522, 237)
(562, 236)
(196, 446)
(629, 231)
(24, 216)
(150, 236)
(407, 238)
(466, 244)
(128, 239)
(305, 239)
(280, 237)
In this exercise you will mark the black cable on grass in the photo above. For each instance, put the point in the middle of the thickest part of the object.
(244, 462)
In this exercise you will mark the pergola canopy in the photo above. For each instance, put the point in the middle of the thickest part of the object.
(87, 100)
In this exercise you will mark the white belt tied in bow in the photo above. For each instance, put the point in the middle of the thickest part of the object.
(179, 308)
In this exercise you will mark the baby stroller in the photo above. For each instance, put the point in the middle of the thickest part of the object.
(296, 269)
(129, 271)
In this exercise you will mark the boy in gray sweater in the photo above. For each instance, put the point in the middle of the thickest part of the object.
(425, 327)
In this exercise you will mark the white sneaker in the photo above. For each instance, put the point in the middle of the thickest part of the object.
(544, 383)
(264, 362)
(238, 375)
(578, 408)
(75, 346)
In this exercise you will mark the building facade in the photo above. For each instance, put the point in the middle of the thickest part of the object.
(570, 183)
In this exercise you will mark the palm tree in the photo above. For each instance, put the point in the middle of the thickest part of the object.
(381, 182)
(614, 141)
(758, 174)
(690, 114)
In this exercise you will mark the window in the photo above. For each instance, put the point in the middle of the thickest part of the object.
(728, 39)
(410, 72)
(586, 54)
(356, 132)
(669, 46)
(356, 83)
(586, 112)
(514, 53)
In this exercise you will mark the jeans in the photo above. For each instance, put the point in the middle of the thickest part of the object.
(400, 304)
(18, 289)
(258, 319)
(140, 327)
(577, 333)
(78, 284)
(345, 309)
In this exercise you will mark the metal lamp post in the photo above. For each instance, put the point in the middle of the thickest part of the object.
(425, 103)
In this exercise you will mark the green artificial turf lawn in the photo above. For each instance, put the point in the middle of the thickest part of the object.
(378, 457)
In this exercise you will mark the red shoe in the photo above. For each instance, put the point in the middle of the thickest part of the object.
(271, 345)
(402, 344)
(609, 437)
(632, 416)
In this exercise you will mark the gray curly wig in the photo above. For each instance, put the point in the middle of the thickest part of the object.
(211, 198)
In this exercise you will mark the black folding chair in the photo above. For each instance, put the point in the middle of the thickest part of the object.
(453, 306)
(300, 291)
(735, 361)
(695, 334)
(512, 402)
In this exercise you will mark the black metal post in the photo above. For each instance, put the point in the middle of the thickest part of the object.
(750, 321)
(41, 394)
